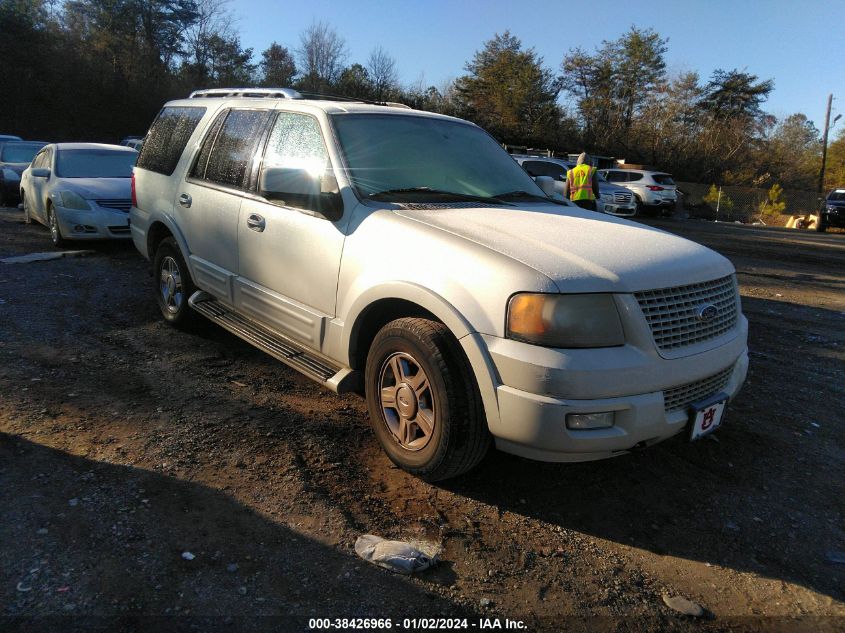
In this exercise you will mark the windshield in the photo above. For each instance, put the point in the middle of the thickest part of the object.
(19, 152)
(837, 196)
(94, 163)
(395, 152)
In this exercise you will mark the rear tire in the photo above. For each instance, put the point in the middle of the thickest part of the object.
(424, 404)
(821, 227)
(27, 218)
(173, 285)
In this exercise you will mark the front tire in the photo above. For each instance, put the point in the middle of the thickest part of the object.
(424, 404)
(55, 229)
(173, 284)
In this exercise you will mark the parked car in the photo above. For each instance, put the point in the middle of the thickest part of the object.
(612, 199)
(15, 156)
(405, 256)
(80, 191)
(654, 191)
(5, 138)
(135, 142)
(832, 212)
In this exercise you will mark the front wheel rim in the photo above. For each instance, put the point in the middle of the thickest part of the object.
(54, 227)
(407, 401)
(170, 285)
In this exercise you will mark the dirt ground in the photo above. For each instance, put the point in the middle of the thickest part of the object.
(125, 445)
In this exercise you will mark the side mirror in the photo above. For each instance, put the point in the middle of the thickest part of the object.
(546, 183)
(300, 188)
(40, 172)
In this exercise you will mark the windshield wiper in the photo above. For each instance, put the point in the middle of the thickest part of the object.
(387, 194)
(525, 195)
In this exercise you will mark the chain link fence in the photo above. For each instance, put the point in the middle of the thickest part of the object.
(742, 204)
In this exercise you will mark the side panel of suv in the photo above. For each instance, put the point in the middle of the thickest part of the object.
(405, 256)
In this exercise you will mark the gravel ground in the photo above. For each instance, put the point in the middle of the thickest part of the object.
(151, 478)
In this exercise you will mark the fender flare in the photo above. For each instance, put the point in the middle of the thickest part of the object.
(469, 339)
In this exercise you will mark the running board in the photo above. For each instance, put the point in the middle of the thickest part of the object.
(338, 379)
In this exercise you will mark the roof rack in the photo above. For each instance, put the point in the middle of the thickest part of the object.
(265, 93)
(327, 97)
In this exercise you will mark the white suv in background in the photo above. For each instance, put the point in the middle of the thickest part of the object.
(655, 191)
(404, 255)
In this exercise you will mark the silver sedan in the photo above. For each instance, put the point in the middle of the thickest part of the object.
(80, 191)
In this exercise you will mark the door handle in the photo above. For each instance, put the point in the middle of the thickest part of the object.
(185, 200)
(256, 222)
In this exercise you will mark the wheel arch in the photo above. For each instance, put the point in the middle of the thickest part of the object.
(382, 304)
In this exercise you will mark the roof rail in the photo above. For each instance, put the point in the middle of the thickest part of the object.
(266, 93)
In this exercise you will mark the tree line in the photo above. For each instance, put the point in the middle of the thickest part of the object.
(101, 69)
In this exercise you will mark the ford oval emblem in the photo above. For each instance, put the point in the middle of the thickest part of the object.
(706, 312)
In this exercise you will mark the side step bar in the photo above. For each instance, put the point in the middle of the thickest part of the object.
(338, 379)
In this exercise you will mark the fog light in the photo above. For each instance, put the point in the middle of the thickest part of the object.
(78, 228)
(581, 421)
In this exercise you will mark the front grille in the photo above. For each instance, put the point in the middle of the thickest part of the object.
(620, 197)
(681, 397)
(116, 203)
(673, 313)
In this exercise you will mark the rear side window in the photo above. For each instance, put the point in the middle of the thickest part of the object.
(617, 176)
(663, 179)
(167, 138)
(198, 170)
(544, 168)
(235, 147)
(633, 176)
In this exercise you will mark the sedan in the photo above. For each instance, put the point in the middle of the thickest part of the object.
(15, 156)
(80, 191)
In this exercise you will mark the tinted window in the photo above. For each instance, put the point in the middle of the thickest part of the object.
(663, 179)
(617, 176)
(296, 142)
(94, 163)
(633, 175)
(200, 164)
(235, 147)
(545, 168)
(19, 152)
(838, 196)
(167, 138)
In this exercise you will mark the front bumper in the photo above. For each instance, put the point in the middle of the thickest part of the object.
(540, 386)
(612, 208)
(99, 223)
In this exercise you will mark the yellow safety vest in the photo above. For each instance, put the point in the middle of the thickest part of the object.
(580, 180)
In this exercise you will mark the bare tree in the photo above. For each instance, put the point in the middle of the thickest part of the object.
(322, 52)
(382, 70)
(213, 18)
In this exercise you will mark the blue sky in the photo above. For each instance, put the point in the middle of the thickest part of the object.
(798, 44)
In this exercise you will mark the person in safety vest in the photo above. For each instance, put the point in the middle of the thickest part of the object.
(582, 184)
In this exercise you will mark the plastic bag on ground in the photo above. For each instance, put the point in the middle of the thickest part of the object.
(397, 556)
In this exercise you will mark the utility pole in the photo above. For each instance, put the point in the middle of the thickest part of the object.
(824, 144)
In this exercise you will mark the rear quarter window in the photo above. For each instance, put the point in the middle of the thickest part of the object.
(167, 138)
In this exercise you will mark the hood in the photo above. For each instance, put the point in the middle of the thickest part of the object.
(15, 167)
(609, 188)
(97, 188)
(582, 251)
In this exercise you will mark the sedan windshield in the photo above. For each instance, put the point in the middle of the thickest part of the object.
(398, 157)
(94, 163)
(19, 152)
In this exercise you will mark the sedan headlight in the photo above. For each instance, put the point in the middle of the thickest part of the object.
(71, 200)
(589, 320)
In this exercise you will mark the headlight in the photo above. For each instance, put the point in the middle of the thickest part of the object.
(565, 320)
(71, 200)
(832, 209)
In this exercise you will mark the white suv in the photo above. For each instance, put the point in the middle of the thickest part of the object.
(654, 190)
(406, 256)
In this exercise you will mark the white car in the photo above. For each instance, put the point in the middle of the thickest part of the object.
(655, 191)
(613, 200)
(405, 255)
(80, 191)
